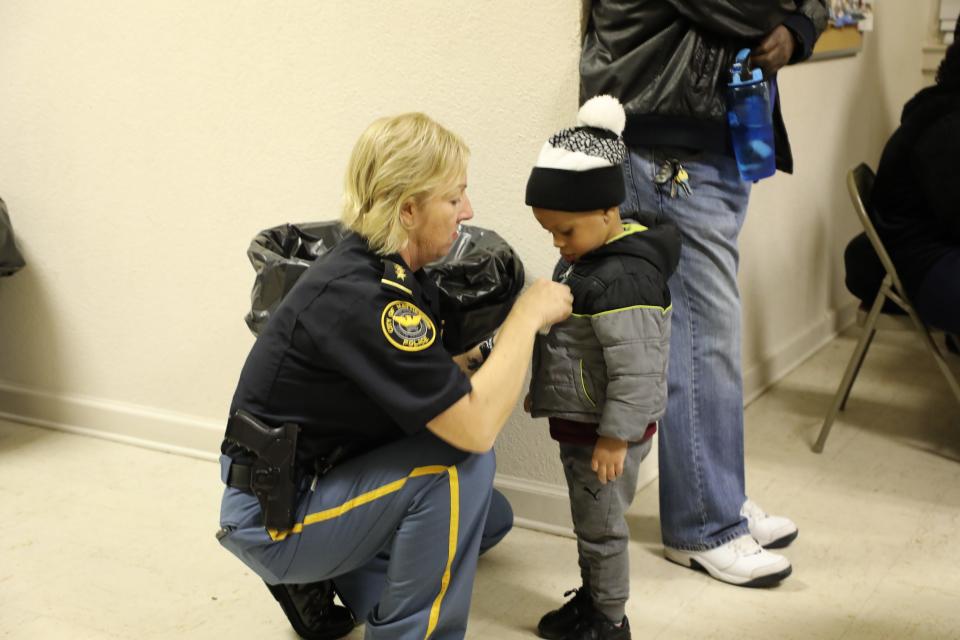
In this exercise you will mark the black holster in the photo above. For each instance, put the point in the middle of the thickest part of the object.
(273, 473)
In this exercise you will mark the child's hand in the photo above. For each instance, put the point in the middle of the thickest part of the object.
(527, 403)
(608, 457)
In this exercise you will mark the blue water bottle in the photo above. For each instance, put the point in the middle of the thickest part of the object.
(750, 116)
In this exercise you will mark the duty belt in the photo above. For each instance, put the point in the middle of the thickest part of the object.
(240, 476)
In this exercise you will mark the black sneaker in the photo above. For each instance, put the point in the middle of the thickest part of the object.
(599, 627)
(311, 610)
(559, 622)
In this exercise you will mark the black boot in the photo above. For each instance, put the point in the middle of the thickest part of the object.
(599, 627)
(559, 622)
(311, 610)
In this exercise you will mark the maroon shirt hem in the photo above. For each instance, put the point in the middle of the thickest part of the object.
(585, 433)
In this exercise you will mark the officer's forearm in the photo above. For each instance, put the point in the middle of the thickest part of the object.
(473, 423)
(499, 382)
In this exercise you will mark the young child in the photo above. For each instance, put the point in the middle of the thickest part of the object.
(600, 375)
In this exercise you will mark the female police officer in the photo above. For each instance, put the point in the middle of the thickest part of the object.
(393, 461)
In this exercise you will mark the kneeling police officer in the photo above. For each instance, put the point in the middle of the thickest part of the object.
(358, 456)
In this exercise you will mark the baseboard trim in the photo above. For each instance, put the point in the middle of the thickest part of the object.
(537, 505)
(120, 422)
(773, 368)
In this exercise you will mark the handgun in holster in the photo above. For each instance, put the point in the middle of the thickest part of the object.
(273, 473)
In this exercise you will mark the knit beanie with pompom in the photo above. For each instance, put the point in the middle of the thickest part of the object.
(579, 169)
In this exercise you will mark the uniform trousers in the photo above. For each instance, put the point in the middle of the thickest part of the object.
(406, 519)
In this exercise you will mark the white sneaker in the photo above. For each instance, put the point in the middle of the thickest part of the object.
(772, 532)
(741, 561)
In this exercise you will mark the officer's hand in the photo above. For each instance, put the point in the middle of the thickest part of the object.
(608, 457)
(546, 302)
(774, 51)
(528, 403)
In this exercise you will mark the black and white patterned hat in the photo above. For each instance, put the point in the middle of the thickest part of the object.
(578, 169)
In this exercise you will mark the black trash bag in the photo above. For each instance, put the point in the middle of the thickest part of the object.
(279, 256)
(11, 260)
(479, 279)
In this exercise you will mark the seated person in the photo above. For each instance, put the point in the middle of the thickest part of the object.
(916, 198)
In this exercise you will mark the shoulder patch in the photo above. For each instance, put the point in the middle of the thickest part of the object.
(395, 278)
(406, 327)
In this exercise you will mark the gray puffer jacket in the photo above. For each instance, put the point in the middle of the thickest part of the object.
(606, 364)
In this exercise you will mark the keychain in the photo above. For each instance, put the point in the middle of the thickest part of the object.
(673, 172)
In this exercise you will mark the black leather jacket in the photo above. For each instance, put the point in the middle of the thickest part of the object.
(668, 62)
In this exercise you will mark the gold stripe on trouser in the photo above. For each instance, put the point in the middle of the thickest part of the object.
(451, 549)
(387, 489)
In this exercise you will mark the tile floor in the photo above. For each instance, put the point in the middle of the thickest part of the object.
(103, 540)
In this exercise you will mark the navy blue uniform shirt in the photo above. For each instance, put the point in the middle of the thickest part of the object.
(353, 355)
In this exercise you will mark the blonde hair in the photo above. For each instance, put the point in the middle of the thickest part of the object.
(396, 159)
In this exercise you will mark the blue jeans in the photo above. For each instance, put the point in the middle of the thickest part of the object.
(701, 439)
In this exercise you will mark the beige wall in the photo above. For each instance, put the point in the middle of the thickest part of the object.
(144, 143)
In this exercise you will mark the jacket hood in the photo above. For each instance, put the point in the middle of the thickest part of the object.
(930, 102)
(659, 245)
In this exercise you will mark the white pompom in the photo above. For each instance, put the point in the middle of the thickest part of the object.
(603, 112)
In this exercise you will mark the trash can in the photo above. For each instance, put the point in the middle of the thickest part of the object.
(479, 279)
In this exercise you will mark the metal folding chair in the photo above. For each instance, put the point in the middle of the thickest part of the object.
(860, 185)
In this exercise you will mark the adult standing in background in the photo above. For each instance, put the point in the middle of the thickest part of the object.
(668, 62)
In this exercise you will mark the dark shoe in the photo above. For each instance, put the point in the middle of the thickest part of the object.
(559, 622)
(311, 610)
(598, 627)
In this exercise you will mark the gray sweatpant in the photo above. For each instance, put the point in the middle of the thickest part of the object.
(598, 512)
